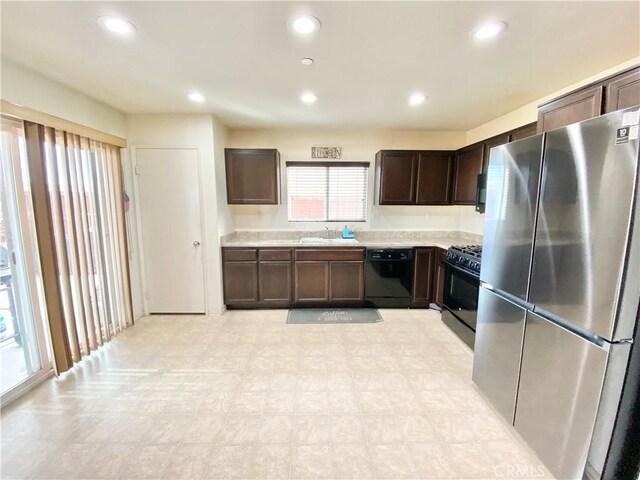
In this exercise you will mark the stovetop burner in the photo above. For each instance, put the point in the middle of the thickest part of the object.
(467, 257)
(471, 250)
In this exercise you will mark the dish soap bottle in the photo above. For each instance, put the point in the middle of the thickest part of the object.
(346, 233)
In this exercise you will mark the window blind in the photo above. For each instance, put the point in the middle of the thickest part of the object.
(327, 191)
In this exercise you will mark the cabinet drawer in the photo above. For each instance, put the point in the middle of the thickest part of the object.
(239, 254)
(274, 255)
(330, 254)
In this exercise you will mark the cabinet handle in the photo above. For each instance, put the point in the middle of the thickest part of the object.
(196, 243)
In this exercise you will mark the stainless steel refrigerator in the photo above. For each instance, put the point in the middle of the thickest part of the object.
(560, 287)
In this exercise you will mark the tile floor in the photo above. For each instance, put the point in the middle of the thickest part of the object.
(246, 396)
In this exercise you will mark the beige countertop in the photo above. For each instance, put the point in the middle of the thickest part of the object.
(366, 239)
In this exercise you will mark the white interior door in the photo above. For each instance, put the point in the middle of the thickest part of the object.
(170, 229)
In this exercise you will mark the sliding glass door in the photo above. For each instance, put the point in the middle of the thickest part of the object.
(23, 354)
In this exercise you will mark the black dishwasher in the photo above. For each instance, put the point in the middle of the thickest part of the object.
(389, 277)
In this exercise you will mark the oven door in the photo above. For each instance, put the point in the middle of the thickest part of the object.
(461, 291)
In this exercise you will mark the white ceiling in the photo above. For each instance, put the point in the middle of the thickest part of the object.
(369, 57)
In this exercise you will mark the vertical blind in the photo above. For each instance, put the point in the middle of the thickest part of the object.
(85, 194)
(327, 191)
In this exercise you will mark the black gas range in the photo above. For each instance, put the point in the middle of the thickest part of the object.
(461, 290)
(466, 257)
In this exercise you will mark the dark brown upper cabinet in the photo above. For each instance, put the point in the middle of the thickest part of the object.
(468, 166)
(616, 92)
(435, 170)
(572, 108)
(490, 143)
(523, 132)
(623, 91)
(414, 177)
(396, 173)
(253, 176)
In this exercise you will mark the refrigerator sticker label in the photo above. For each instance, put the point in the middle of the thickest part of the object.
(622, 135)
(633, 132)
(631, 118)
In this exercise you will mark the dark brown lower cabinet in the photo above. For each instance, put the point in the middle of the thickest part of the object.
(326, 276)
(274, 280)
(346, 282)
(312, 282)
(423, 275)
(438, 286)
(240, 282)
(257, 278)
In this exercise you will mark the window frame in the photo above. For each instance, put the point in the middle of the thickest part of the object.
(329, 164)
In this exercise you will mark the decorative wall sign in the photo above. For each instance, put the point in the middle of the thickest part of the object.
(326, 152)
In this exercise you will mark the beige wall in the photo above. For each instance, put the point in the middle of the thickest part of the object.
(25, 87)
(529, 113)
(357, 145)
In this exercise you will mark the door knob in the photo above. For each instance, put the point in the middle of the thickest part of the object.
(196, 243)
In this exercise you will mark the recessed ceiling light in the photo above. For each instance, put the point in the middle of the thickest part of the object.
(307, 61)
(195, 97)
(305, 24)
(117, 25)
(417, 98)
(488, 30)
(309, 98)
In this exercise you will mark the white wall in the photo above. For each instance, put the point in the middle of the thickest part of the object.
(25, 87)
(357, 145)
(159, 130)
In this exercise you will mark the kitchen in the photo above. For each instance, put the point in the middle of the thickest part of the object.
(314, 284)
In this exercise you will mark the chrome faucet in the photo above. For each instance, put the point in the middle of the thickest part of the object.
(329, 234)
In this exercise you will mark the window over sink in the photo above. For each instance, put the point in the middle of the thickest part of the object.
(327, 191)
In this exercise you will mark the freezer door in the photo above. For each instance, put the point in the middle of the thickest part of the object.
(584, 220)
(560, 385)
(513, 179)
(498, 346)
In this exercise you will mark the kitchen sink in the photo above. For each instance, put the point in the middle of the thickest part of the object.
(328, 241)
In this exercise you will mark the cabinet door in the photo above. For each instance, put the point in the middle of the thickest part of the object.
(253, 176)
(439, 278)
(523, 132)
(623, 91)
(423, 269)
(275, 282)
(312, 282)
(434, 178)
(489, 144)
(240, 282)
(468, 166)
(396, 172)
(347, 282)
(576, 107)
